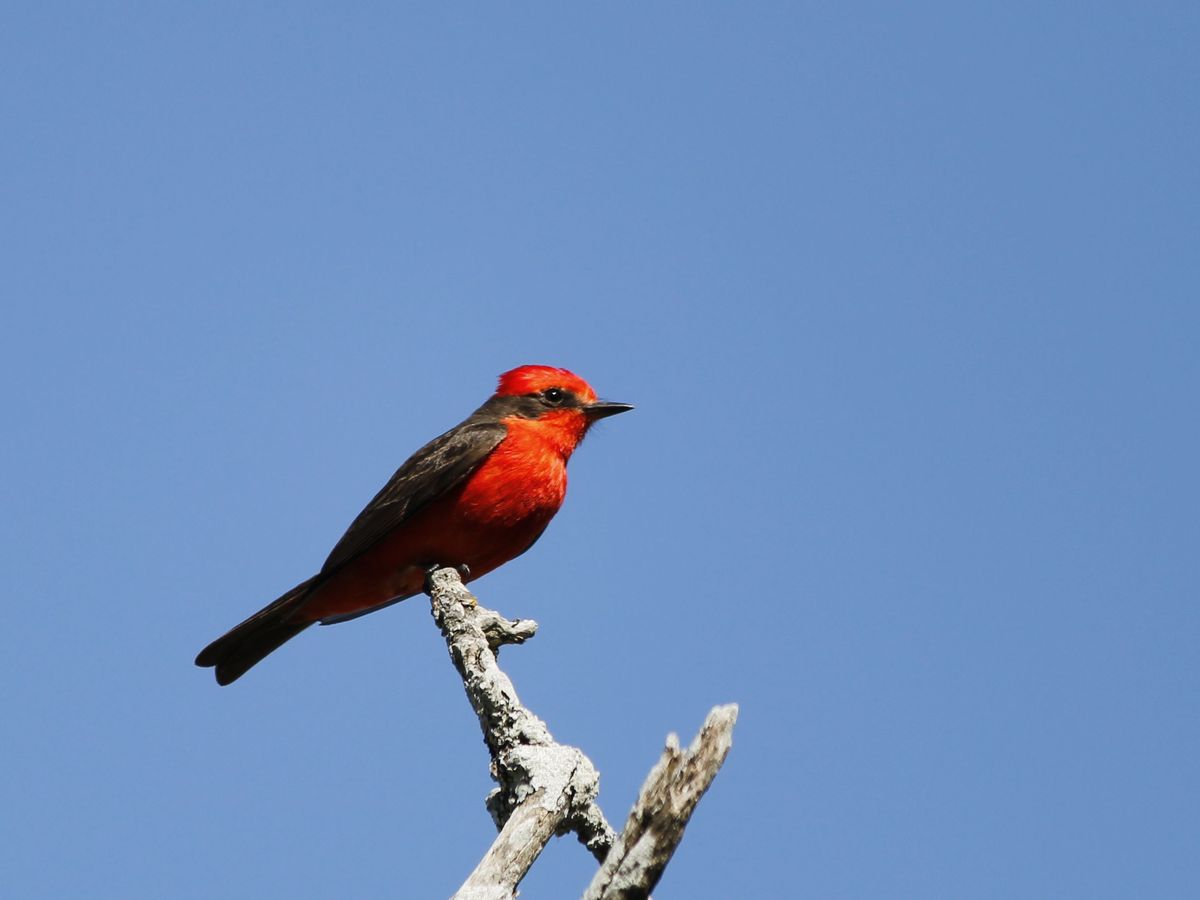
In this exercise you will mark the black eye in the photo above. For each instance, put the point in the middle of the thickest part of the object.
(554, 396)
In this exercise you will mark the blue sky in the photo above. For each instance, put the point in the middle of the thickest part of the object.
(906, 296)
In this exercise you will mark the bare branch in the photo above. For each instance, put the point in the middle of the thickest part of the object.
(545, 788)
(661, 813)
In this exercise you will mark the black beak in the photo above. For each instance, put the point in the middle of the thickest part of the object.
(602, 409)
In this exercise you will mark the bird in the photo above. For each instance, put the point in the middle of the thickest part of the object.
(473, 498)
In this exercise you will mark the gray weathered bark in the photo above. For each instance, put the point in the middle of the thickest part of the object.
(546, 788)
(662, 811)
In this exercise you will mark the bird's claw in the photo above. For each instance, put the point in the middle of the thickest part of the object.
(464, 572)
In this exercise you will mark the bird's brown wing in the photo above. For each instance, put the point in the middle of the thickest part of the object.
(438, 467)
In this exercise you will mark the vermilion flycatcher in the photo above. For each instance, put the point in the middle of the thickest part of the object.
(476, 497)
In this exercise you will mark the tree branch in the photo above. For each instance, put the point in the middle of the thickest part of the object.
(544, 788)
(661, 813)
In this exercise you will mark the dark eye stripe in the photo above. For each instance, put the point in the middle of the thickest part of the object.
(555, 397)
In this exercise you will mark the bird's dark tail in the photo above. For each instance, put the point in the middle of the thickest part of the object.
(234, 652)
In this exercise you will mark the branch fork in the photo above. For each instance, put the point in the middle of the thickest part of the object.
(545, 788)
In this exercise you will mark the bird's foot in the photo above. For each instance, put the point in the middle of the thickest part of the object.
(464, 572)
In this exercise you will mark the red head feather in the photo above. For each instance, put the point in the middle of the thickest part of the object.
(533, 379)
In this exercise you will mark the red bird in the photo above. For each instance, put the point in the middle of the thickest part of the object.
(476, 497)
